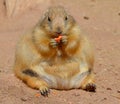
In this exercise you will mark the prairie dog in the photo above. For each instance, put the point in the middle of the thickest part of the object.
(43, 63)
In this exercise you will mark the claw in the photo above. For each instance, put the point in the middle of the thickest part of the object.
(53, 43)
(64, 39)
(91, 87)
(44, 91)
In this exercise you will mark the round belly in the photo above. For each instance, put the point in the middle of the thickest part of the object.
(63, 83)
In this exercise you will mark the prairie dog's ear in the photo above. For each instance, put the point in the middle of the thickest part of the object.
(46, 13)
(71, 18)
(43, 16)
(69, 15)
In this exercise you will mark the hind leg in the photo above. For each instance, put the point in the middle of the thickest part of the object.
(39, 84)
(88, 83)
(33, 80)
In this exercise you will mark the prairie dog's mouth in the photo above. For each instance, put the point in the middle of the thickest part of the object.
(56, 35)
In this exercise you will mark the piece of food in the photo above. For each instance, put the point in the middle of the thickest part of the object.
(58, 38)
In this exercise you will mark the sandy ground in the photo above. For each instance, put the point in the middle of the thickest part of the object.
(99, 19)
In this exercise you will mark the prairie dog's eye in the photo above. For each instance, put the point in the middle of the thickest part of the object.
(66, 18)
(49, 19)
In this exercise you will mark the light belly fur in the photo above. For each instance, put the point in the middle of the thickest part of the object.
(62, 82)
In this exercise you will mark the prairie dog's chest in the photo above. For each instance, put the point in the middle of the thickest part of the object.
(59, 53)
(59, 58)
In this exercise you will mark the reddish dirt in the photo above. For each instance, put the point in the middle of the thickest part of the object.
(99, 19)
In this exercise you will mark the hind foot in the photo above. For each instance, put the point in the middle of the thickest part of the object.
(90, 87)
(44, 91)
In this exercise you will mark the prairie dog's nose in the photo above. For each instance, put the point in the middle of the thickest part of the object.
(58, 30)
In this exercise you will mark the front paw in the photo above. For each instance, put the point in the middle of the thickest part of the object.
(64, 40)
(53, 43)
(44, 91)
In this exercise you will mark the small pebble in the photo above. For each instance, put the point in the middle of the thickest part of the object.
(118, 91)
(76, 94)
(85, 17)
(24, 99)
(109, 89)
(105, 98)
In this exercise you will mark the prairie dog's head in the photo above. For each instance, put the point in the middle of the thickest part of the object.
(57, 21)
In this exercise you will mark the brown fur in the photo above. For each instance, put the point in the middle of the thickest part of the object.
(61, 66)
